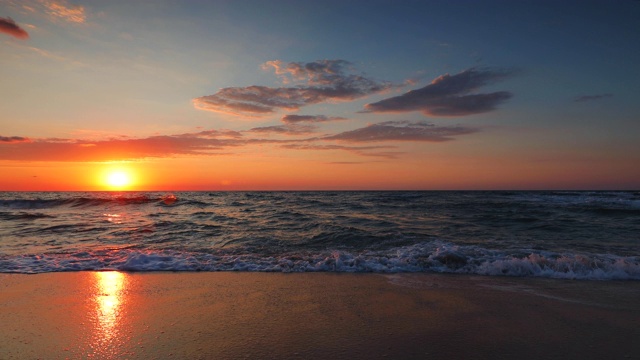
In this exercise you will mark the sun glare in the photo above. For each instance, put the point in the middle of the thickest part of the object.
(118, 179)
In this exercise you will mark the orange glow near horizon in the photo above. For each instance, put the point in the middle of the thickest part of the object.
(250, 172)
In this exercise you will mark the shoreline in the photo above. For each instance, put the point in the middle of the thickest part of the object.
(204, 315)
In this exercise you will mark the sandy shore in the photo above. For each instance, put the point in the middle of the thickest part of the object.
(112, 315)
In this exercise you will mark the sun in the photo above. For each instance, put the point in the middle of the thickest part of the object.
(118, 179)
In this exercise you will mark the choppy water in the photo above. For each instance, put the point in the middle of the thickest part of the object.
(583, 235)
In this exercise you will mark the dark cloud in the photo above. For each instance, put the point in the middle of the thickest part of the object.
(296, 125)
(321, 72)
(296, 119)
(213, 134)
(323, 80)
(402, 131)
(14, 139)
(592, 97)
(358, 150)
(289, 129)
(303, 146)
(449, 95)
(9, 27)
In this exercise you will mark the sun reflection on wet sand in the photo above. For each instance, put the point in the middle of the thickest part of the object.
(109, 302)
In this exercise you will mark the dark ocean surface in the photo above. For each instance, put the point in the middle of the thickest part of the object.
(559, 234)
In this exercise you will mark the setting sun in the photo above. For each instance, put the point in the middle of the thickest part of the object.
(118, 179)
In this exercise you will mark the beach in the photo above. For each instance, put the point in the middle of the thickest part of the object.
(228, 315)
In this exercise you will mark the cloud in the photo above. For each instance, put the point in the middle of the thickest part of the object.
(449, 95)
(296, 125)
(585, 98)
(358, 150)
(202, 143)
(402, 131)
(213, 134)
(220, 142)
(63, 10)
(14, 139)
(321, 72)
(289, 129)
(331, 147)
(319, 81)
(296, 119)
(9, 27)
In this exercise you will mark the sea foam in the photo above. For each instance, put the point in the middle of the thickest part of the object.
(568, 234)
(433, 257)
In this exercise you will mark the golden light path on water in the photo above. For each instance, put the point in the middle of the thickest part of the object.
(109, 304)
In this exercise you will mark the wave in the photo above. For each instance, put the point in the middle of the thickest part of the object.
(80, 201)
(431, 257)
(586, 200)
(22, 215)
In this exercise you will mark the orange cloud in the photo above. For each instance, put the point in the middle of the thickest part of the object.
(220, 142)
(9, 27)
(17, 148)
(65, 11)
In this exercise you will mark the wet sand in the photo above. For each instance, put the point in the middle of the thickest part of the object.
(111, 315)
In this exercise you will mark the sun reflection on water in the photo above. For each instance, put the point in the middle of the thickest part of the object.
(113, 218)
(109, 303)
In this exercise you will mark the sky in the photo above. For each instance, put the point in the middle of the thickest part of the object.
(319, 95)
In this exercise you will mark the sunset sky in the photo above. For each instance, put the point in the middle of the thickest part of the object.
(293, 95)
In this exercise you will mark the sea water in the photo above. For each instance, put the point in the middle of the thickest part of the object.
(570, 234)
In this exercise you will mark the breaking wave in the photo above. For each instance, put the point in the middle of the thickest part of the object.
(80, 201)
(432, 257)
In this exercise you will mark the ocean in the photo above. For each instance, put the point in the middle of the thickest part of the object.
(591, 235)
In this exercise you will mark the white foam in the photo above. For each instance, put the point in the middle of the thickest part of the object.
(434, 256)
